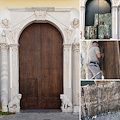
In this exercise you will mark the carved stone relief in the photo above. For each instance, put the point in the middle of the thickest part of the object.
(3, 37)
(66, 104)
(69, 33)
(14, 105)
(5, 23)
(40, 15)
(75, 23)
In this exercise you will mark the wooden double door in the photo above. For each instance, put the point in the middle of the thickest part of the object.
(41, 67)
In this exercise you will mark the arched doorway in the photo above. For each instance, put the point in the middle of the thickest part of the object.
(41, 67)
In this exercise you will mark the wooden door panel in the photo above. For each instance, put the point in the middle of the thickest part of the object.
(110, 63)
(41, 67)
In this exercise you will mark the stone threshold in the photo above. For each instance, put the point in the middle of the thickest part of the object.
(41, 111)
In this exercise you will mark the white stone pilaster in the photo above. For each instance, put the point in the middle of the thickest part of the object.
(67, 71)
(76, 76)
(114, 22)
(4, 76)
(14, 74)
(82, 21)
(119, 21)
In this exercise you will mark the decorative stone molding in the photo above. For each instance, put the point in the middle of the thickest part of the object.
(3, 37)
(69, 33)
(14, 48)
(76, 47)
(40, 15)
(4, 77)
(66, 104)
(5, 23)
(11, 34)
(84, 46)
(115, 2)
(75, 23)
(14, 105)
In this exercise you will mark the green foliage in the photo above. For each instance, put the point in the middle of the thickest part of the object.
(5, 113)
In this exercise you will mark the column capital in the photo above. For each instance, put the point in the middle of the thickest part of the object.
(67, 47)
(82, 6)
(114, 6)
(14, 47)
(76, 47)
(4, 46)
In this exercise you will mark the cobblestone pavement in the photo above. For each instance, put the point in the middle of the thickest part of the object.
(41, 116)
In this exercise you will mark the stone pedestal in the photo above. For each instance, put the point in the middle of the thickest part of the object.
(76, 76)
(4, 77)
(114, 22)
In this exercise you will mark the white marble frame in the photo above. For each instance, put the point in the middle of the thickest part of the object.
(114, 6)
(68, 33)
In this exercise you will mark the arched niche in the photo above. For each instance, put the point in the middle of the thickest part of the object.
(98, 19)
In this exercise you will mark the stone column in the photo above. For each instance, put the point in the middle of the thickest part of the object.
(76, 76)
(119, 21)
(67, 71)
(114, 22)
(82, 22)
(14, 71)
(4, 77)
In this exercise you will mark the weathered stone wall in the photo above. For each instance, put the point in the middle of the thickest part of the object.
(100, 98)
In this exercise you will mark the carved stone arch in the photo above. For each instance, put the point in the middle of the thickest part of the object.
(85, 1)
(27, 23)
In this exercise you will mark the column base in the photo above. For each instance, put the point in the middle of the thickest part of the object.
(76, 109)
(4, 109)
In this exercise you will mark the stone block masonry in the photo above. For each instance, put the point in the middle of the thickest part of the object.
(100, 98)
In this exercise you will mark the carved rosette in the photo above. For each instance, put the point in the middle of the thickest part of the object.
(4, 77)
(40, 15)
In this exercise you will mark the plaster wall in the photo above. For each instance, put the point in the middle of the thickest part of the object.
(38, 3)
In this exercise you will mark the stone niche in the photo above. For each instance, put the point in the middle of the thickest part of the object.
(102, 97)
(12, 22)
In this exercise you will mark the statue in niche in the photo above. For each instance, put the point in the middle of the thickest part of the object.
(75, 23)
(5, 23)
(14, 105)
(66, 103)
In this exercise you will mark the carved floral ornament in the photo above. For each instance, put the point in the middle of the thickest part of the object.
(69, 33)
(76, 47)
(14, 48)
(5, 23)
(40, 14)
(75, 23)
